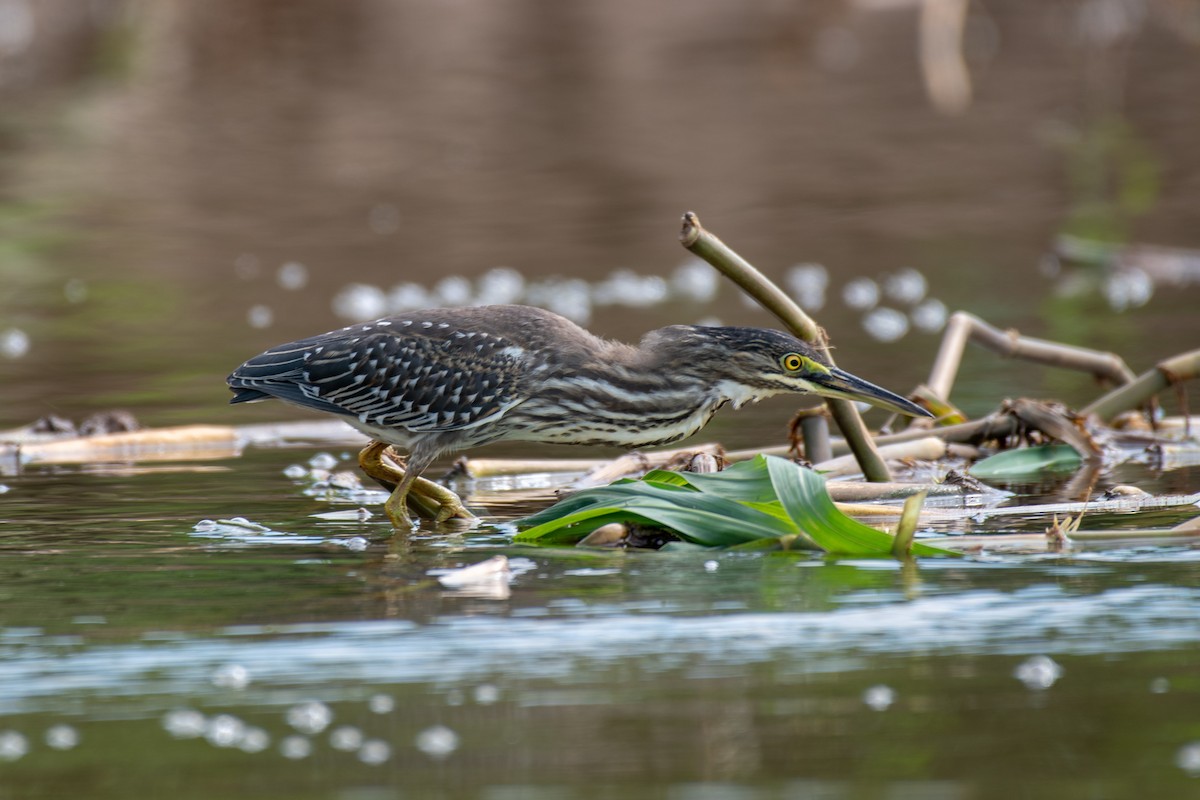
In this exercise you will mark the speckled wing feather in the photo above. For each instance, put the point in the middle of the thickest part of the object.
(401, 373)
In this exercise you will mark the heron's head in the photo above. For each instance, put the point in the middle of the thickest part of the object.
(765, 362)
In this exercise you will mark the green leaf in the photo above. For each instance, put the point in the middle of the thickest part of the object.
(767, 501)
(803, 495)
(706, 519)
(1027, 462)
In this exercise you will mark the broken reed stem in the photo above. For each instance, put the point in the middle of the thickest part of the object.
(963, 326)
(906, 529)
(1185, 366)
(708, 247)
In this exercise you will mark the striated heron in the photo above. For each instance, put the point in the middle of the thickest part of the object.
(440, 380)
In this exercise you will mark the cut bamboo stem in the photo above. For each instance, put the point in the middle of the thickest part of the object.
(707, 246)
(906, 529)
(151, 444)
(1185, 366)
(929, 448)
(963, 326)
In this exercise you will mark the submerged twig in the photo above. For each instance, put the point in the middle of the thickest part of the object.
(707, 246)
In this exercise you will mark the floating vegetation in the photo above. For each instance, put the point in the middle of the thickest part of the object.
(767, 500)
(1027, 463)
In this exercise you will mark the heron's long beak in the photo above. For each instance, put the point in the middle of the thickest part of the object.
(841, 384)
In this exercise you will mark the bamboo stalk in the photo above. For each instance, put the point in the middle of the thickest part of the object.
(151, 444)
(929, 448)
(906, 529)
(857, 492)
(963, 326)
(814, 429)
(1185, 366)
(707, 246)
(1025, 543)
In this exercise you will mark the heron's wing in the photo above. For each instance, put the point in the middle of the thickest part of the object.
(424, 379)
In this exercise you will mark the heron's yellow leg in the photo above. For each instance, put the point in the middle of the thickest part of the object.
(431, 500)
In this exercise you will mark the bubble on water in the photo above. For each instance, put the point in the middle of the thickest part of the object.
(13, 745)
(231, 676)
(500, 285)
(62, 737)
(224, 730)
(711, 566)
(295, 747)
(1038, 672)
(356, 544)
(254, 740)
(5, 488)
(345, 480)
(1187, 758)
(359, 301)
(381, 703)
(906, 286)
(885, 324)
(861, 293)
(311, 717)
(453, 291)
(408, 296)
(14, 343)
(205, 525)
(292, 276)
(879, 697)
(626, 288)
(486, 694)
(260, 316)
(383, 219)
(1128, 288)
(572, 298)
(437, 742)
(808, 284)
(1160, 686)
(184, 723)
(18, 27)
(930, 316)
(695, 280)
(374, 752)
(295, 472)
(323, 461)
(345, 737)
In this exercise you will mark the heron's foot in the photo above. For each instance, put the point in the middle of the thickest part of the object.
(430, 500)
(381, 463)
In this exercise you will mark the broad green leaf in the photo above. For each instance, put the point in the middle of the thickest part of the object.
(766, 500)
(745, 481)
(706, 519)
(804, 497)
(1027, 462)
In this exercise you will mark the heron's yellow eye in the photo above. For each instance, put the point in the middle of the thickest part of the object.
(793, 362)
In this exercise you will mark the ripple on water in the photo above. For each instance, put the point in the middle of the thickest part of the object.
(575, 638)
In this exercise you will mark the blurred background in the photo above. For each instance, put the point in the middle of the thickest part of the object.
(183, 184)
